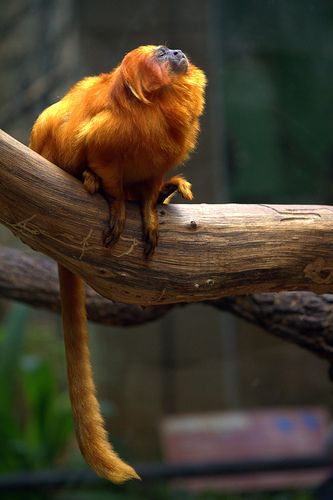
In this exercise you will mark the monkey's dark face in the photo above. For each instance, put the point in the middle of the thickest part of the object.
(175, 58)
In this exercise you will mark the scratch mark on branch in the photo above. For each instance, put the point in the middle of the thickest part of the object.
(84, 243)
(291, 214)
(22, 226)
(162, 295)
(271, 208)
(135, 243)
(308, 217)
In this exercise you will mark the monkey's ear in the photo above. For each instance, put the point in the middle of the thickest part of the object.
(138, 92)
(143, 75)
(133, 73)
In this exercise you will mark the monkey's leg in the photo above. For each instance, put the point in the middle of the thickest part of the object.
(91, 181)
(117, 218)
(171, 186)
(112, 185)
(149, 217)
(150, 227)
(117, 208)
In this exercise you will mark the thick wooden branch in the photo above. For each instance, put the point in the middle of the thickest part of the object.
(205, 251)
(302, 318)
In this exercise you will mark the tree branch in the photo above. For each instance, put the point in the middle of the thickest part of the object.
(18, 273)
(205, 251)
(303, 318)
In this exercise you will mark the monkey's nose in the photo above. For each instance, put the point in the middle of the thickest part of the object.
(178, 53)
(178, 61)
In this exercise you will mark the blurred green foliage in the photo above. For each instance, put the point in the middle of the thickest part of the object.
(35, 416)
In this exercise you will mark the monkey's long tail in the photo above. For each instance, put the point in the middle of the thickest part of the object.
(89, 424)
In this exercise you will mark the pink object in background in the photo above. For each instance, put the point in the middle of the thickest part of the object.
(245, 436)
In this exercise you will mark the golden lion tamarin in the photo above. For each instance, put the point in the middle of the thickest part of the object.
(120, 132)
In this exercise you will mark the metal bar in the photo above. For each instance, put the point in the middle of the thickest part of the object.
(160, 471)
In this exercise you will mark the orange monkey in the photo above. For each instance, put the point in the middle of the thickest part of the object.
(120, 132)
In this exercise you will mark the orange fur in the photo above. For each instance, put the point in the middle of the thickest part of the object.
(121, 132)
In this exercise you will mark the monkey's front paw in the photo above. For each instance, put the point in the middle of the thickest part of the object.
(112, 234)
(151, 239)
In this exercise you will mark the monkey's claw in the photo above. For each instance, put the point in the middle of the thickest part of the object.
(151, 239)
(112, 234)
(109, 238)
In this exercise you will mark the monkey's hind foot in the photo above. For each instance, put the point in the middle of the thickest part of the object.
(151, 240)
(185, 189)
(170, 187)
(116, 222)
(112, 233)
(91, 181)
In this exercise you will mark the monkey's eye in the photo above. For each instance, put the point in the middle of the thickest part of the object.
(161, 52)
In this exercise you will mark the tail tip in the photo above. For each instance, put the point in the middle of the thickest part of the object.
(123, 474)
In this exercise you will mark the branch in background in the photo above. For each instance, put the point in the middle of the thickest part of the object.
(34, 281)
(302, 318)
(205, 252)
